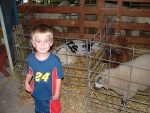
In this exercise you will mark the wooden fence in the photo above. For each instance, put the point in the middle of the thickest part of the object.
(100, 11)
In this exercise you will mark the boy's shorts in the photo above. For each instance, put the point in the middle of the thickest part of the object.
(47, 106)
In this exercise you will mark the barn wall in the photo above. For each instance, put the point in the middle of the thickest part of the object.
(100, 11)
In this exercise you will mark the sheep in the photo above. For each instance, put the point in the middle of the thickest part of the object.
(80, 48)
(65, 55)
(123, 18)
(131, 76)
(144, 20)
(117, 53)
(47, 15)
(69, 51)
(90, 17)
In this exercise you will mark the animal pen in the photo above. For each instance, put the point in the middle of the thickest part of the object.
(78, 94)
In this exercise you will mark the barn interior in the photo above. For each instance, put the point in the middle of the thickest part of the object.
(97, 28)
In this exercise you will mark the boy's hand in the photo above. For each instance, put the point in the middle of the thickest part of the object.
(55, 97)
(28, 88)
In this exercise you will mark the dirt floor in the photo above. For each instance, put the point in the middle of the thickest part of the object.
(9, 91)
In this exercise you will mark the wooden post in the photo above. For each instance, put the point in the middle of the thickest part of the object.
(118, 18)
(100, 15)
(30, 2)
(82, 4)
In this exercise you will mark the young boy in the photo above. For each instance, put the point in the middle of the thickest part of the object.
(46, 70)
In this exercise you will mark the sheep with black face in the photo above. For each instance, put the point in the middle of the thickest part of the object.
(71, 50)
(66, 56)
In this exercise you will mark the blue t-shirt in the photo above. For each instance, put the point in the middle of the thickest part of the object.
(44, 73)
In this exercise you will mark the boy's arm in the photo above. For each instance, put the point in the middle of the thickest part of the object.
(58, 87)
(27, 80)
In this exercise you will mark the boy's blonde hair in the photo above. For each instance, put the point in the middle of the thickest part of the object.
(41, 28)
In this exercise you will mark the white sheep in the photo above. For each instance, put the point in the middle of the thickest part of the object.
(143, 20)
(47, 15)
(118, 79)
(128, 19)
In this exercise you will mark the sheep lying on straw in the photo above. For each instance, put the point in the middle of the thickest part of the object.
(66, 56)
(127, 79)
(70, 51)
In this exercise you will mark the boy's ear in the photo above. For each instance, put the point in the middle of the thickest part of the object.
(32, 43)
(51, 43)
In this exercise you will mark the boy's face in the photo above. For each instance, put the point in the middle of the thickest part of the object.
(42, 42)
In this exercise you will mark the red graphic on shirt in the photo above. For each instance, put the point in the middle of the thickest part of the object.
(30, 71)
(54, 105)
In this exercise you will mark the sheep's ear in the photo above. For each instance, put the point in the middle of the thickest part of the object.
(97, 77)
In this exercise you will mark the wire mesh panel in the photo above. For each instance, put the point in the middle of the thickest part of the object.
(73, 54)
(23, 48)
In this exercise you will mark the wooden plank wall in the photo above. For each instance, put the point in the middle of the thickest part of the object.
(100, 10)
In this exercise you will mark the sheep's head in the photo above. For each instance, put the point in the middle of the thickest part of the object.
(100, 81)
(78, 47)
